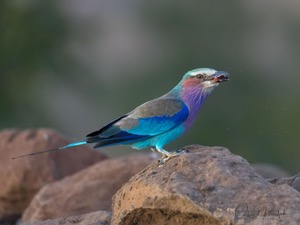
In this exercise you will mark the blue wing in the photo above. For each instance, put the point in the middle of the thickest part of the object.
(150, 119)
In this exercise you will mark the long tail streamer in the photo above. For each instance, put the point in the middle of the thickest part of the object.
(74, 144)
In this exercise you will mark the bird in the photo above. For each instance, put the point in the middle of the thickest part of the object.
(159, 121)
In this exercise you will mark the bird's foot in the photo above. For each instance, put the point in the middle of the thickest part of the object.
(167, 157)
(182, 151)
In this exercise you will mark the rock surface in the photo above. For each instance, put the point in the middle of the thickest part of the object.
(86, 191)
(22, 178)
(291, 181)
(94, 218)
(269, 171)
(205, 186)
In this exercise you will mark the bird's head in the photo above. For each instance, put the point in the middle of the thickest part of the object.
(204, 79)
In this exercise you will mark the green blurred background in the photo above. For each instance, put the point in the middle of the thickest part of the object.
(74, 65)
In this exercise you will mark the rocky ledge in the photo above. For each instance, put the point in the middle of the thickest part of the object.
(207, 185)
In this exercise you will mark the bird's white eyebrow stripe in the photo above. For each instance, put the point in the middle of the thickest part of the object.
(203, 71)
(196, 73)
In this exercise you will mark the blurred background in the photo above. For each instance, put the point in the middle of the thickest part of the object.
(74, 65)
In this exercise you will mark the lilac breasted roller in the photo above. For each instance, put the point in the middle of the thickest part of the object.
(159, 121)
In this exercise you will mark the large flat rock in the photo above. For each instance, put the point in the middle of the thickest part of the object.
(208, 185)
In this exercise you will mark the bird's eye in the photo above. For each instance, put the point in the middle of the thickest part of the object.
(199, 76)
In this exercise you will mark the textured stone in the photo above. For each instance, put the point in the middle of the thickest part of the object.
(21, 178)
(209, 185)
(86, 191)
(269, 171)
(291, 181)
(94, 218)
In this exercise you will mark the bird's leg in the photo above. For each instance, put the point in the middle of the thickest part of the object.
(166, 155)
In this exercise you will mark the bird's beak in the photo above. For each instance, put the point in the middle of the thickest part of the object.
(219, 76)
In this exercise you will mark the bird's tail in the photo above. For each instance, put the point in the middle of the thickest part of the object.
(73, 144)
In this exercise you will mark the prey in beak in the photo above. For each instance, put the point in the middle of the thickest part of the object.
(219, 77)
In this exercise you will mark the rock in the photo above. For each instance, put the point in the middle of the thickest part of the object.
(268, 171)
(209, 185)
(292, 181)
(86, 191)
(21, 178)
(95, 218)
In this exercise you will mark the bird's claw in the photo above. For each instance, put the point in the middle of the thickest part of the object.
(166, 158)
(182, 150)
